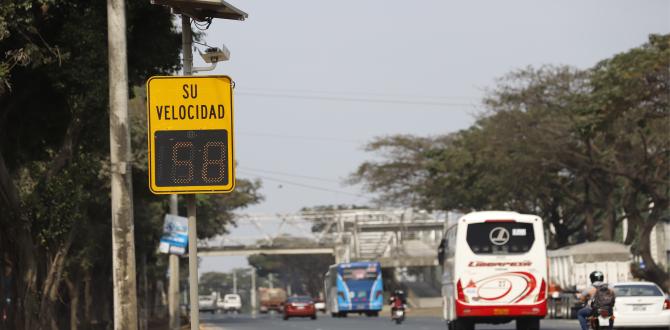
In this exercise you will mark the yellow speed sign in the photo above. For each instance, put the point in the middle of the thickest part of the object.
(190, 121)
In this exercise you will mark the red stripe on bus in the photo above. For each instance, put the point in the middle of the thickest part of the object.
(531, 284)
(466, 310)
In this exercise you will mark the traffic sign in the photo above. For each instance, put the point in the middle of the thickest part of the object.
(190, 127)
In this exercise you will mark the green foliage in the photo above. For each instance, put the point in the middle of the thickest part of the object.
(54, 141)
(223, 282)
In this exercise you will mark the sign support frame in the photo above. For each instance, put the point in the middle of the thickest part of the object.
(187, 39)
(198, 11)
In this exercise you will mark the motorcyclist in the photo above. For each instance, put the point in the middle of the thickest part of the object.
(597, 282)
(397, 301)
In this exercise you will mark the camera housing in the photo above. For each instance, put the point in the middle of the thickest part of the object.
(215, 54)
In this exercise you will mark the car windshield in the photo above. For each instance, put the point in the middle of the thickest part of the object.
(637, 290)
(299, 299)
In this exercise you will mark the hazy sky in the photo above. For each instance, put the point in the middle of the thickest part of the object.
(316, 80)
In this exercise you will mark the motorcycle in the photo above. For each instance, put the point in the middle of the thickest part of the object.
(398, 315)
(601, 314)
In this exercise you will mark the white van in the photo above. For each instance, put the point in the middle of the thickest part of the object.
(495, 270)
(230, 303)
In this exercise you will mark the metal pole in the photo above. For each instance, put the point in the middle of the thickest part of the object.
(193, 262)
(234, 281)
(123, 242)
(270, 278)
(357, 244)
(186, 41)
(253, 292)
(173, 289)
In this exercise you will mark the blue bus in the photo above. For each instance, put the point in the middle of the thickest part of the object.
(354, 288)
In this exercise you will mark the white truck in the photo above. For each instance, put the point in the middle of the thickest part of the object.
(230, 303)
(569, 269)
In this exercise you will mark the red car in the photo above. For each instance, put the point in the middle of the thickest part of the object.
(302, 306)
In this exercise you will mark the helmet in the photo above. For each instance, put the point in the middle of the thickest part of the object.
(398, 292)
(597, 276)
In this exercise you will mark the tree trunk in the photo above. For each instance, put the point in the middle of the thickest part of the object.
(559, 239)
(651, 272)
(73, 292)
(633, 216)
(144, 302)
(26, 307)
(607, 231)
(588, 214)
(88, 300)
(52, 283)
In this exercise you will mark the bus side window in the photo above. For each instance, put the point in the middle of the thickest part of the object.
(441, 250)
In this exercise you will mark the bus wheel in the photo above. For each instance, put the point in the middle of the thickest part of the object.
(460, 324)
(528, 324)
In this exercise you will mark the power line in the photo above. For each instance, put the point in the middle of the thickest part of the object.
(374, 94)
(298, 137)
(359, 99)
(248, 169)
(304, 185)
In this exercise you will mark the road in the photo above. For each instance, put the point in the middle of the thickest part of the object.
(325, 322)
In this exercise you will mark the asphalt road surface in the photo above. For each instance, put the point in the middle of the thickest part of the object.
(353, 322)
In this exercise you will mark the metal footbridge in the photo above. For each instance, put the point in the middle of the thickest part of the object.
(395, 237)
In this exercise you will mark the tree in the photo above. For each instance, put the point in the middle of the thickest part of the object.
(53, 110)
(54, 163)
(630, 115)
(585, 149)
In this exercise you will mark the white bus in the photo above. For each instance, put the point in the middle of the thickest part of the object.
(495, 270)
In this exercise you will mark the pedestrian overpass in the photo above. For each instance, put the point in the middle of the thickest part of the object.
(394, 237)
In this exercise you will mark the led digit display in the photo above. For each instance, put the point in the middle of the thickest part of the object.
(191, 158)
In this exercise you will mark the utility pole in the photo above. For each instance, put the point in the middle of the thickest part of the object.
(271, 279)
(234, 281)
(123, 241)
(253, 292)
(173, 288)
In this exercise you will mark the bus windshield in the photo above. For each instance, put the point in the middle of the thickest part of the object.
(508, 237)
(358, 273)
